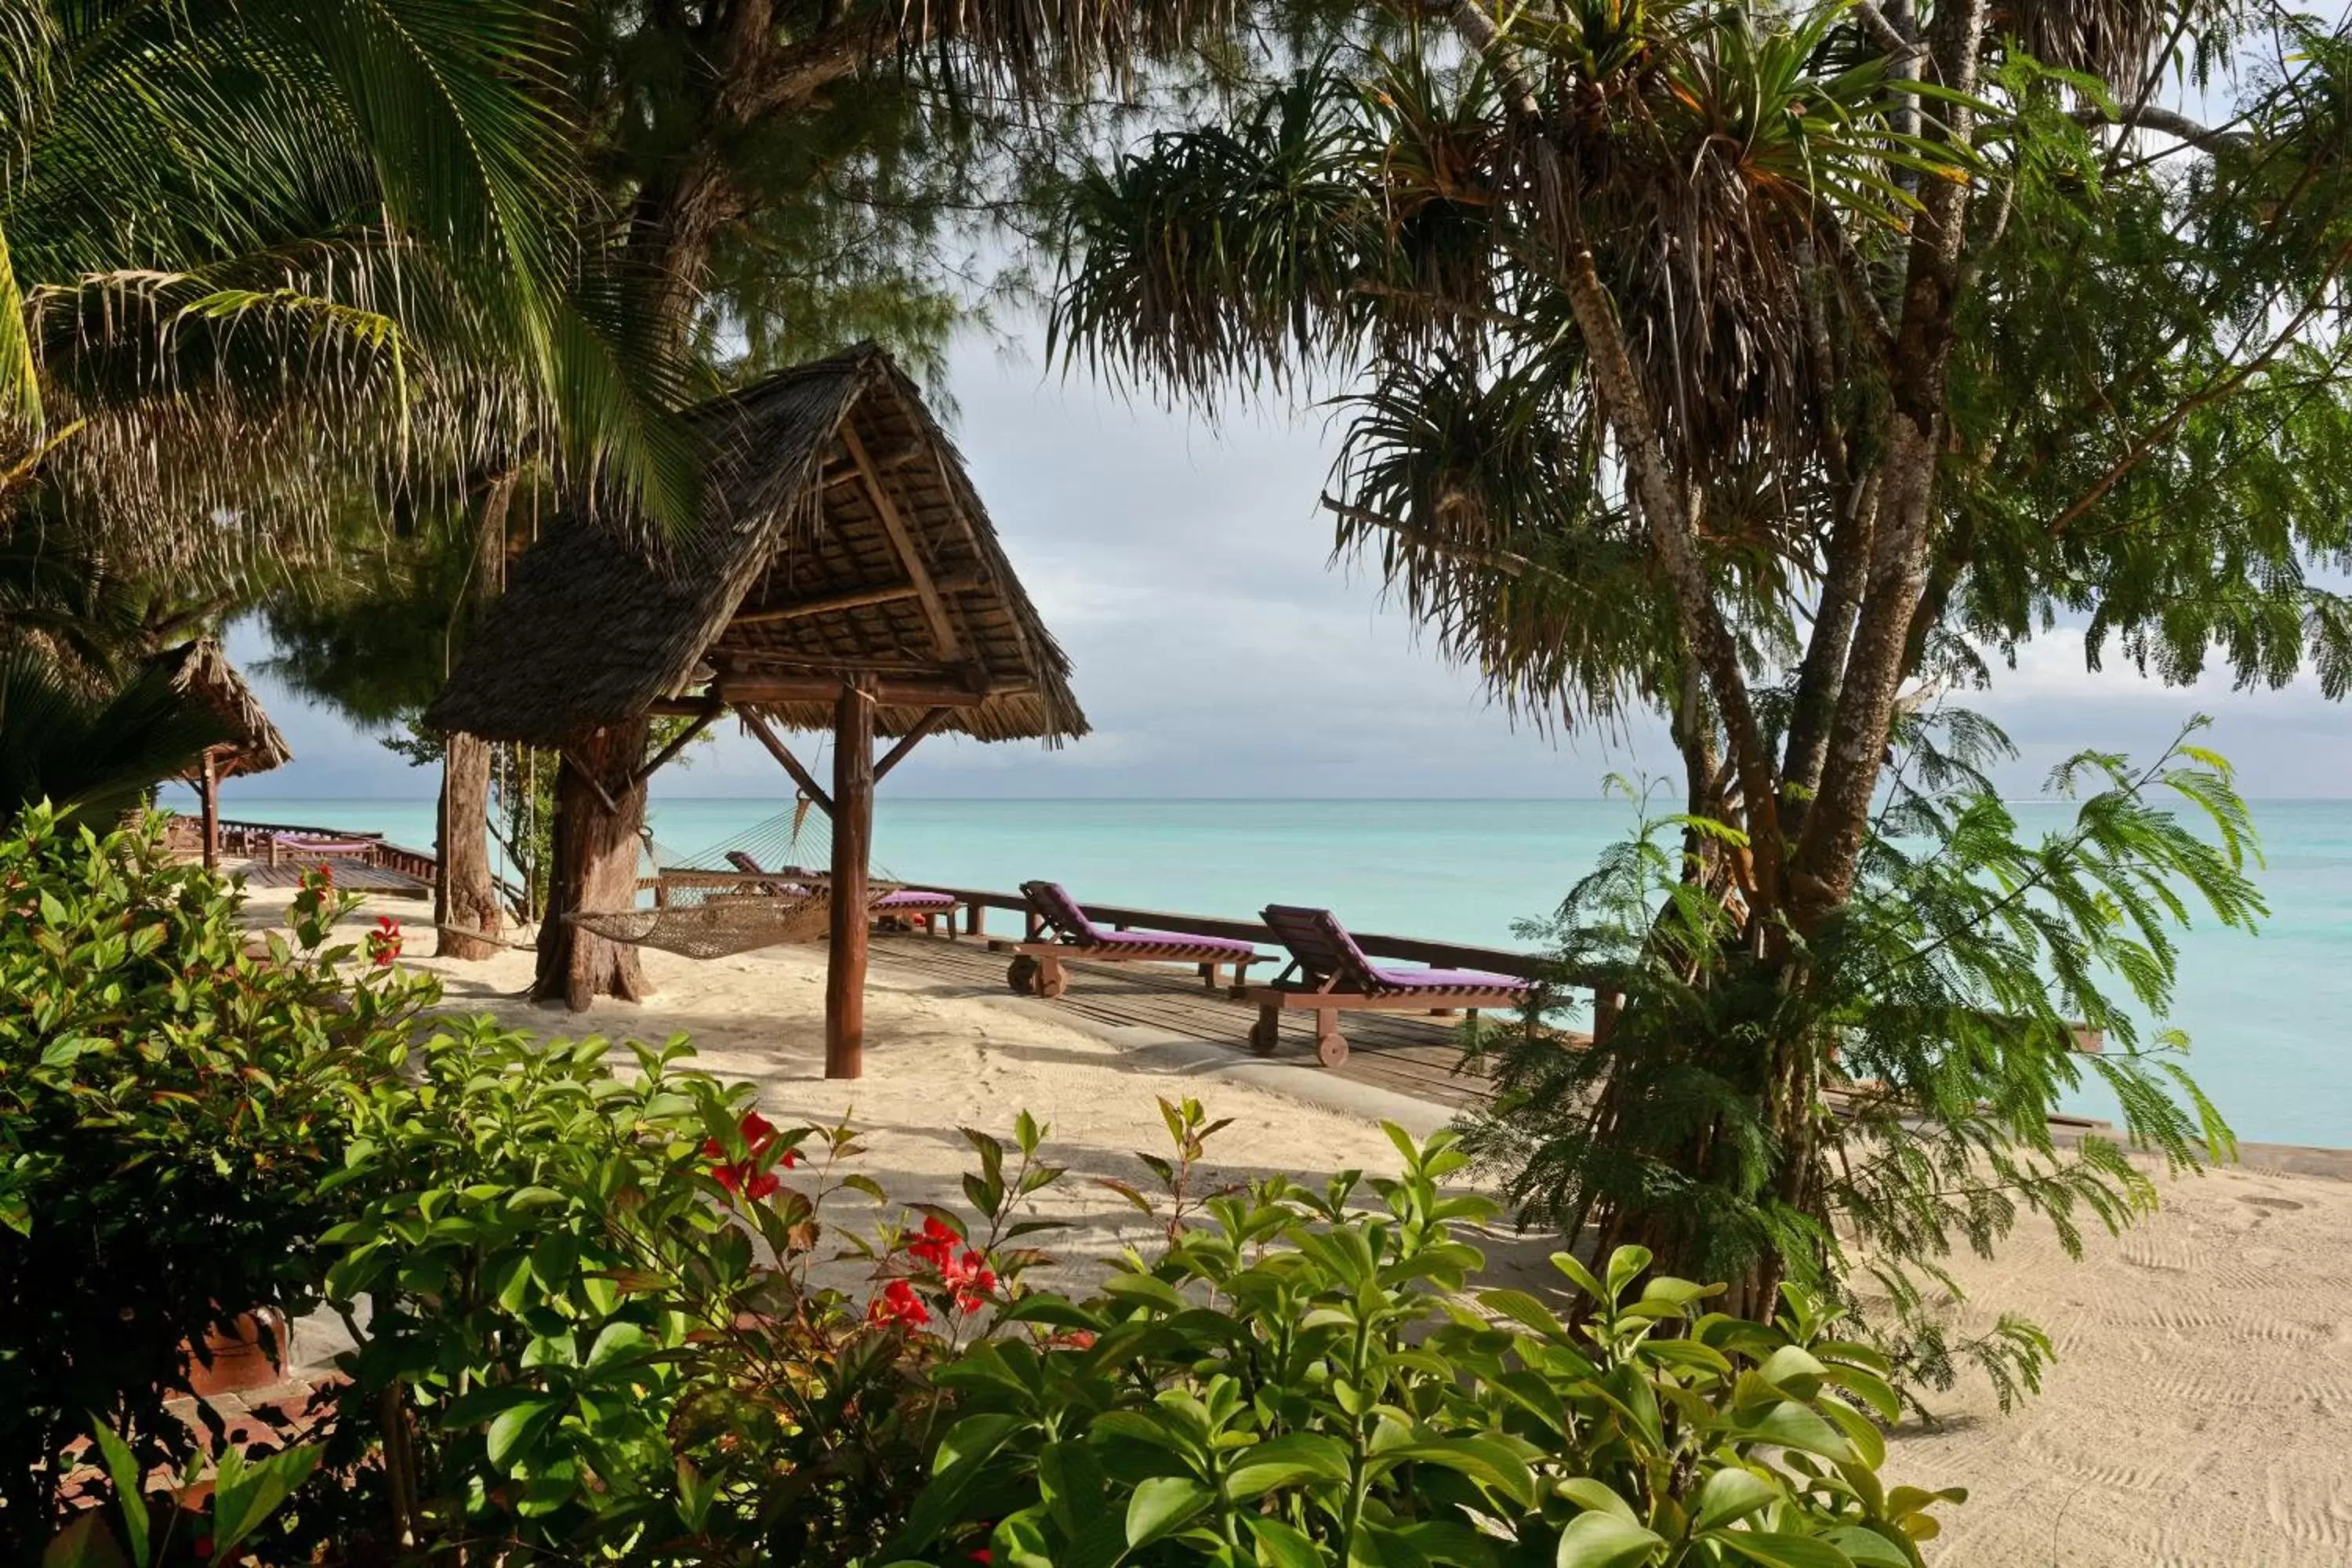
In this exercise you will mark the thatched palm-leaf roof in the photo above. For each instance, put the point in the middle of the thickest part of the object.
(201, 670)
(821, 481)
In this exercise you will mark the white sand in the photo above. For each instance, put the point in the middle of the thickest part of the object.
(2200, 1413)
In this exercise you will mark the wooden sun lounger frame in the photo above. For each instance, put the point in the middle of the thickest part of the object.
(1327, 1004)
(1322, 994)
(285, 847)
(1037, 967)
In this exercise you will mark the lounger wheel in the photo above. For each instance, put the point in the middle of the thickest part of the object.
(1331, 1049)
(1264, 1036)
(1022, 975)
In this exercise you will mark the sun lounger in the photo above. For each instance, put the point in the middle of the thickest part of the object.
(285, 847)
(1037, 970)
(1330, 974)
(901, 908)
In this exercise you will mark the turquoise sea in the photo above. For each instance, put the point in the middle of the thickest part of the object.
(2267, 1014)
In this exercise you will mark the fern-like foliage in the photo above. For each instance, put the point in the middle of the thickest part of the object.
(1861, 1115)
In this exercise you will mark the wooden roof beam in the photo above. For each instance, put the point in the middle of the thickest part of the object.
(764, 691)
(946, 644)
(792, 764)
(922, 727)
(859, 599)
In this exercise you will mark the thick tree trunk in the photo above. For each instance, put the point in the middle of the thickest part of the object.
(593, 868)
(466, 893)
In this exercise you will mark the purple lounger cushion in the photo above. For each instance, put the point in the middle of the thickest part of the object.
(1447, 980)
(1323, 947)
(915, 899)
(1117, 939)
(1062, 913)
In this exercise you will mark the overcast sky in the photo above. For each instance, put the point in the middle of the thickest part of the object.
(1218, 653)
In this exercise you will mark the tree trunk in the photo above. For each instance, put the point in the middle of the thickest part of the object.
(593, 868)
(466, 893)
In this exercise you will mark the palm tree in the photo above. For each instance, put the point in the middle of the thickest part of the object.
(268, 264)
(1710, 358)
(99, 754)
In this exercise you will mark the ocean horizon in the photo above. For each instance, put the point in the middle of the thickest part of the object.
(2263, 1012)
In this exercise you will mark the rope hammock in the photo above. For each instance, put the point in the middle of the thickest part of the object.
(759, 889)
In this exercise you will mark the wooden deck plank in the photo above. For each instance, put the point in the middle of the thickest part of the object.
(1399, 1051)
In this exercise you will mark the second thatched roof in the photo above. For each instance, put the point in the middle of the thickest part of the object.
(200, 670)
(841, 539)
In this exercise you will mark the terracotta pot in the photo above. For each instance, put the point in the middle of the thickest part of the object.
(239, 1361)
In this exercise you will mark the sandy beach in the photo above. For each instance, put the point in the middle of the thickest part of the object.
(2200, 1413)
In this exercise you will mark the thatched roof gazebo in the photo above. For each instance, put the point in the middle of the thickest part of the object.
(200, 670)
(845, 577)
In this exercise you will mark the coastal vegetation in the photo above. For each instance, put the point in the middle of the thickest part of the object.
(1775, 369)
(618, 1316)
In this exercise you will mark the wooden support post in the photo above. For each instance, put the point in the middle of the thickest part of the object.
(212, 810)
(792, 764)
(853, 831)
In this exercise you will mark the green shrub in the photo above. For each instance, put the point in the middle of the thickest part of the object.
(1293, 1382)
(167, 1105)
(594, 1331)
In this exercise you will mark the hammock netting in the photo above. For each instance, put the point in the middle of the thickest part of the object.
(766, 886)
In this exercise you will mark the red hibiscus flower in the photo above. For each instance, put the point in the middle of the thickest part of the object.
(936, 1245)
(972, 1280)
(899, 1303)
(745, 1175)
(383, 942)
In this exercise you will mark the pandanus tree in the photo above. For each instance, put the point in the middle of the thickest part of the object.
(1765, 366)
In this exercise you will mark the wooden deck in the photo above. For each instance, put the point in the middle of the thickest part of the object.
(1407, 1053)
(350, 874)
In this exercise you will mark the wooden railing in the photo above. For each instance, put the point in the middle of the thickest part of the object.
(237, 834)
(1411, 948)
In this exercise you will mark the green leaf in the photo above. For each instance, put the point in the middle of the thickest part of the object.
(616, 1341)
(122, 1468)
(1776, 1549)
(1867, 1548)
(1598, 1540)
(1280, 1545)
(240, 1508)
(1794, 1425)
(1129, 1287)
(1486, 1459)
(519, 1425)
(1793, 1369)
(1525, 1310)
(1285, 1461)
(1163, 1506)
(1597, 1496)
(1624, 1264)
(529, 1198)
(1731, 1494)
